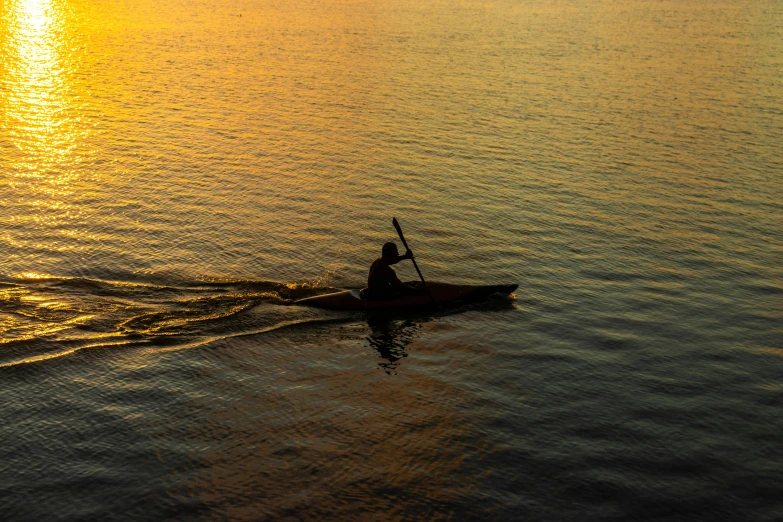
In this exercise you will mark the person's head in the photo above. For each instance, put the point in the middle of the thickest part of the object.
(389, 253)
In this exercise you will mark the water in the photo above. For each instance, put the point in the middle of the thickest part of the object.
(174, 173)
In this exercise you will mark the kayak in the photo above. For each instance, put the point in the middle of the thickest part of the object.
(441, 293)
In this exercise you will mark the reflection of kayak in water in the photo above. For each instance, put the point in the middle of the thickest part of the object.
(442, 293)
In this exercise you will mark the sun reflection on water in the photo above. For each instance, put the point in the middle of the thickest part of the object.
(37, 99)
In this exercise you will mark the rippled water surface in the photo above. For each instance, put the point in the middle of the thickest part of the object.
(174, 173)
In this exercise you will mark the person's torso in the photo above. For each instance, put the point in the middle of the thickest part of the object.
(381, 277)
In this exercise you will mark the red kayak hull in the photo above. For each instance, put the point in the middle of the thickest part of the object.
(442, 293)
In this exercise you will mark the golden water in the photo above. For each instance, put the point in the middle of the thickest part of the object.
(173, 172)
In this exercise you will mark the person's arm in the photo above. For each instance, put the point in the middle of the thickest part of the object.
(395, 281)
(400, 286)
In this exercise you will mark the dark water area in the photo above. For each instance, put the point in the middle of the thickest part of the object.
(249, 408)
(225, 401)
(174, 175)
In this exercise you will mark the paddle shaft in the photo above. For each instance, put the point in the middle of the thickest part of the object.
(405, 244)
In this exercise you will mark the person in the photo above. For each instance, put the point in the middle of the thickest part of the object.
(382, 282)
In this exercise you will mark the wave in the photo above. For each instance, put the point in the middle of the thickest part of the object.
(44, 317)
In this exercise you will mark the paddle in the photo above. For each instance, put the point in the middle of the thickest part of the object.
(405, 244)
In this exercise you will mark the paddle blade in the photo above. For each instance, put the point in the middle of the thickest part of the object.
(399, 232)
(397, 226)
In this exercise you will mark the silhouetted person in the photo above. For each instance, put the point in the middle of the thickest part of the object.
(383, 283)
